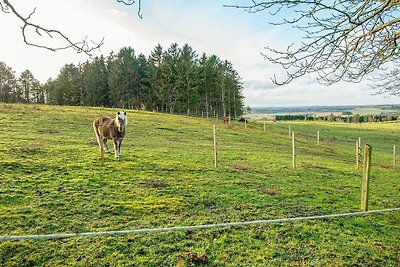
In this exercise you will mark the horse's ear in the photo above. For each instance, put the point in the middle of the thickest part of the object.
(125, 113)
(118, 112)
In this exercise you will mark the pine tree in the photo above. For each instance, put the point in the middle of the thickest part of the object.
(7, 84)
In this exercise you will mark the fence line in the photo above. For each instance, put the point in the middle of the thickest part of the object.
(194, 227)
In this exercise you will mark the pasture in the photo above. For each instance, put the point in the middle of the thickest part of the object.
(51, 181)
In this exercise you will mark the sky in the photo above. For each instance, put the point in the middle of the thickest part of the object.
(230, 33)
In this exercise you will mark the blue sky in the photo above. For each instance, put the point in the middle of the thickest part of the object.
(206, 25)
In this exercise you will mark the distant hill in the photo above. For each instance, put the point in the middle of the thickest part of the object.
(324, 109)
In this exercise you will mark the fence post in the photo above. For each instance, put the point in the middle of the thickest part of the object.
(365, 180)
(358, 152)
(318, 138)
(357, 155)
(394, 157)
(290, 132)
(264, 126)
(215, 146)
(101, 140)
(294, 150)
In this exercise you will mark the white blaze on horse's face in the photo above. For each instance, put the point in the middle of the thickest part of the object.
(122, 120)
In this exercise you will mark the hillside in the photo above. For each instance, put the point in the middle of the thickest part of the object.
(51, 181)
(326, 110)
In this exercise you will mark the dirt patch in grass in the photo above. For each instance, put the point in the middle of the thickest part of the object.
(312, 165)
(270, 191)
(30, 149)
(239, 166)
(153, 183)
(48, 131)
(197, 258)
(386, 166)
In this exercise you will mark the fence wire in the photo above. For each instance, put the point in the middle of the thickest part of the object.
(193, 227)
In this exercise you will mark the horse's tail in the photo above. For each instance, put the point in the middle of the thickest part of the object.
(96, 127)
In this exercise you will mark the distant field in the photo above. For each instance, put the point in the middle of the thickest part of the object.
(51, 181)
(371, 111)
(355, 110)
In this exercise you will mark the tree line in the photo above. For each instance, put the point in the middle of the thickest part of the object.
(24, 89)
(174, 80)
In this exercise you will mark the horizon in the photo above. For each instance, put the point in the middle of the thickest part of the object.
(366, 105)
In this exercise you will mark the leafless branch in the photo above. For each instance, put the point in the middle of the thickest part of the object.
(131, 2)
(84, 46)
(342, 39)
(388, 83)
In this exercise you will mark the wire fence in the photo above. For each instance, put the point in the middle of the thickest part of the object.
(193, 227)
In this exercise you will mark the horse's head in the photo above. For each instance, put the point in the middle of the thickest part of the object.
(121, 120)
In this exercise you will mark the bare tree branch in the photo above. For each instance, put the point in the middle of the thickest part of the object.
(388, 83)
(131, 2)
(342, 39)
(84, 46)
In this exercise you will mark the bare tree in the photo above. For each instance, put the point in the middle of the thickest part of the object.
(343, 40)
(83, 46)
(388, 83)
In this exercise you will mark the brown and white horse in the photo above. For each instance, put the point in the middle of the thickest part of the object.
(111, 129)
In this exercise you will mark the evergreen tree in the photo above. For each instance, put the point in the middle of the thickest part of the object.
(188, 79)
(7, 84)
(207, 81)
(147, 97)
(95, 80)
(37, 92)
(156, 77)
(123, 79)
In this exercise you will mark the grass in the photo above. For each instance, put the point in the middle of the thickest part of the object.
(51, 181)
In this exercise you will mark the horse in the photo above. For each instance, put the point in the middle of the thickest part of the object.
(226, 119)
(111, 129)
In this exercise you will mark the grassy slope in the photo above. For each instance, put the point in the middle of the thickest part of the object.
(51, 182)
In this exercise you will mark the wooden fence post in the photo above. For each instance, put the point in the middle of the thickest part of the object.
(215, 146)
(293, 150)
(366, 175)
(101, 140)
(318, 138)
(357, 155)
(394, 157)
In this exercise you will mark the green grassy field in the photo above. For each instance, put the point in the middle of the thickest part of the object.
(51, 181)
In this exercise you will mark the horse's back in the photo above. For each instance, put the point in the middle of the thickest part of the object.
(105, 121)
(96, 125)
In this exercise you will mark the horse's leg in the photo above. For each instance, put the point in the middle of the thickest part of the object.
(119, 147)
(116, 147)
(105, 145)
